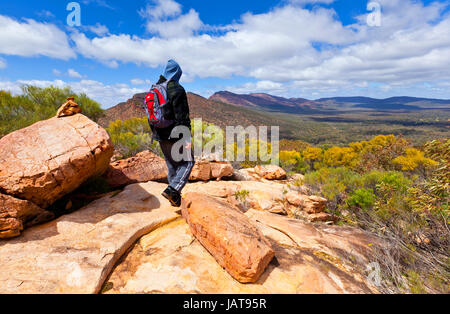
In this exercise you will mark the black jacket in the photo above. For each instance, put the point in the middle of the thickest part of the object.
(177, 110)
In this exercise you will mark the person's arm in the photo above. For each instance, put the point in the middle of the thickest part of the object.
(181, 108)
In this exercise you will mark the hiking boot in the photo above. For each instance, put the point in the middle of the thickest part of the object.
(173, 196)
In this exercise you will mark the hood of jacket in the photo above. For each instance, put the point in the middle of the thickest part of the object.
(173, 71)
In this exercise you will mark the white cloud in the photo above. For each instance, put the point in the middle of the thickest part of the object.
(140, 82)
(289, 49)
(106, 95)
(31, 38)
(98, 29)
(182, 26)
(281, 46)
(56, 72)
(259, 41)
(260, 86)
(165, 18)
(161, 9)
(74, 74)
(3, 63)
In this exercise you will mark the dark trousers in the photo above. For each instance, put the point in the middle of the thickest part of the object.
(180, 171)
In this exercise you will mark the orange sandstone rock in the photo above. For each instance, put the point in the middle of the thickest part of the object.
(230, 237)
(51, 158)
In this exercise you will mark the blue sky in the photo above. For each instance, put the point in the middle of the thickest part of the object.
(291, 48)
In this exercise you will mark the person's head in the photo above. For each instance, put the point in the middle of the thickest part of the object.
(173, 71)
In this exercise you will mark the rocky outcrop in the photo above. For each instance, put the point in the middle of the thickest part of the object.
(76, 252)
(308, 259)
(260, 173)
(145, 166)
(271, 172)
(229, 236)
(221, 170)
(271, 196)
(15, 214)
(310, 204)
(246, 174)
(45, 161)
(205, 170)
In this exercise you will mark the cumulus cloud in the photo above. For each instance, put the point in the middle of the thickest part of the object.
(31, 38)
(106, 95)
(98, 29)
(140, 82)
(74, 74)
(165, 18)
(161, 9)
(293, 46)
(260, 86)
(259, 41)
(287, 50)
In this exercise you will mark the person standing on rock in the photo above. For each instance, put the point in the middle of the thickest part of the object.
(176, 112)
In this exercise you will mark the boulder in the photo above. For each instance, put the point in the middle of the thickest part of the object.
(271, 172)
(76, 252)
(201, 171)
(221, 169)
(145, 166)
(310, 204)
(320, 217)
(16, 213)
(247, 174)
(236, 244)
(45, 161)
(205, 170)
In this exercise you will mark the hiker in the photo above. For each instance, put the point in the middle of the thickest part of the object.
(175, 112)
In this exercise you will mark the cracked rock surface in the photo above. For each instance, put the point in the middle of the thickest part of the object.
(135, 242)
(75, 253)
(307, 260)
(41, 168)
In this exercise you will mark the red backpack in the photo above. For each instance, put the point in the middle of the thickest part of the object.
(155, 102)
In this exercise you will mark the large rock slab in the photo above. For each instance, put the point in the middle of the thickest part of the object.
(308, 260)
(145, 166)
(75, 253)
(15, 214)
(229, 236)
(259, 195)
(45, 161)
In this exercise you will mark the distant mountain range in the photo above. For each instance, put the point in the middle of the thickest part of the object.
(211, 111)
(268, 102)
(310, 120)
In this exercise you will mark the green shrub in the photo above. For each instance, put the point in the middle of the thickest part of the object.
(242, 195)
(361, 198)
(36, 104)
(132, 136)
